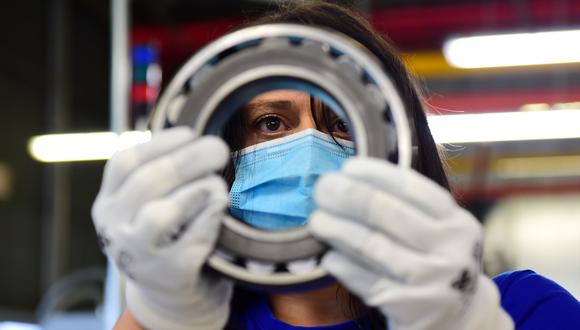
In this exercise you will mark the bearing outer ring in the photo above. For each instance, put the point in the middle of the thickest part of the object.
(213, 83)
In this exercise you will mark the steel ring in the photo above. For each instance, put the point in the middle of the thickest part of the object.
(229, 72)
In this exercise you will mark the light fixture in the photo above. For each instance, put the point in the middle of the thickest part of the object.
(505, 126)
(514, 49)
(82, 146)
(457, 128)
(8, 325)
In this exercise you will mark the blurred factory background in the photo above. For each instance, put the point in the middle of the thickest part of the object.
(56, 76)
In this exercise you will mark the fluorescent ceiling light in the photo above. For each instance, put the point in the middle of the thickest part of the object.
(7, 325)
(82, 146)
(459, 128)
(505, 126)
(513, 49)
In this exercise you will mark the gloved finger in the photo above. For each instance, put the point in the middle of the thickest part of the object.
(355, 199)
(409, 304)
(162, 221)
(200, 237)
(355, 276)
(125, 162)
(424, 303)
(411, 186)
(376, 250)
(402, 304)
(219, 290)
(166, 173)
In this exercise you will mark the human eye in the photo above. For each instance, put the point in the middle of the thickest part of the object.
(271, 124)
(340, 129)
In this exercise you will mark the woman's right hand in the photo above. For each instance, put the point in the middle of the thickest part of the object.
(158, 215)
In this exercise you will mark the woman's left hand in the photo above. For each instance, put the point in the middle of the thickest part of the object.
(401, 243)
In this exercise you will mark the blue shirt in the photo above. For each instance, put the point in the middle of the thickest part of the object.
(533, 301)
(537, 303)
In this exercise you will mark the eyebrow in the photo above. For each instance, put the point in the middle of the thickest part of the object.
(265, 105)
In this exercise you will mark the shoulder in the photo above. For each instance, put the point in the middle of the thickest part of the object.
(536, 302)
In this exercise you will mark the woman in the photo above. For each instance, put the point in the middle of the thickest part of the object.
(399, 243)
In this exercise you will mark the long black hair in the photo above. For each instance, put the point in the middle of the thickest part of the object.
(349, 21)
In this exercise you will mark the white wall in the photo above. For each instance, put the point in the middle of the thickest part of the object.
(541, 233)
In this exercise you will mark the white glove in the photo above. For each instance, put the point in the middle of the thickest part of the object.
(401, 243)
(158, 215)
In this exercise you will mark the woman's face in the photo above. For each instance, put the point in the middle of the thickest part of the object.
(262, 179)
(279, 113)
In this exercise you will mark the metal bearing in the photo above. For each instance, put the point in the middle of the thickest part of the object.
(228, 73)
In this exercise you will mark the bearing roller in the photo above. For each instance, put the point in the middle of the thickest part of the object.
(231, 71)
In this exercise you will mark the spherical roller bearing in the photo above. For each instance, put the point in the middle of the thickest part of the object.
(231, 71)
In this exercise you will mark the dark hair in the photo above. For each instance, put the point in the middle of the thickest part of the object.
(348, 21)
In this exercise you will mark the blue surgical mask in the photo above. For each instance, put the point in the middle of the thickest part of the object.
(275, 180)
